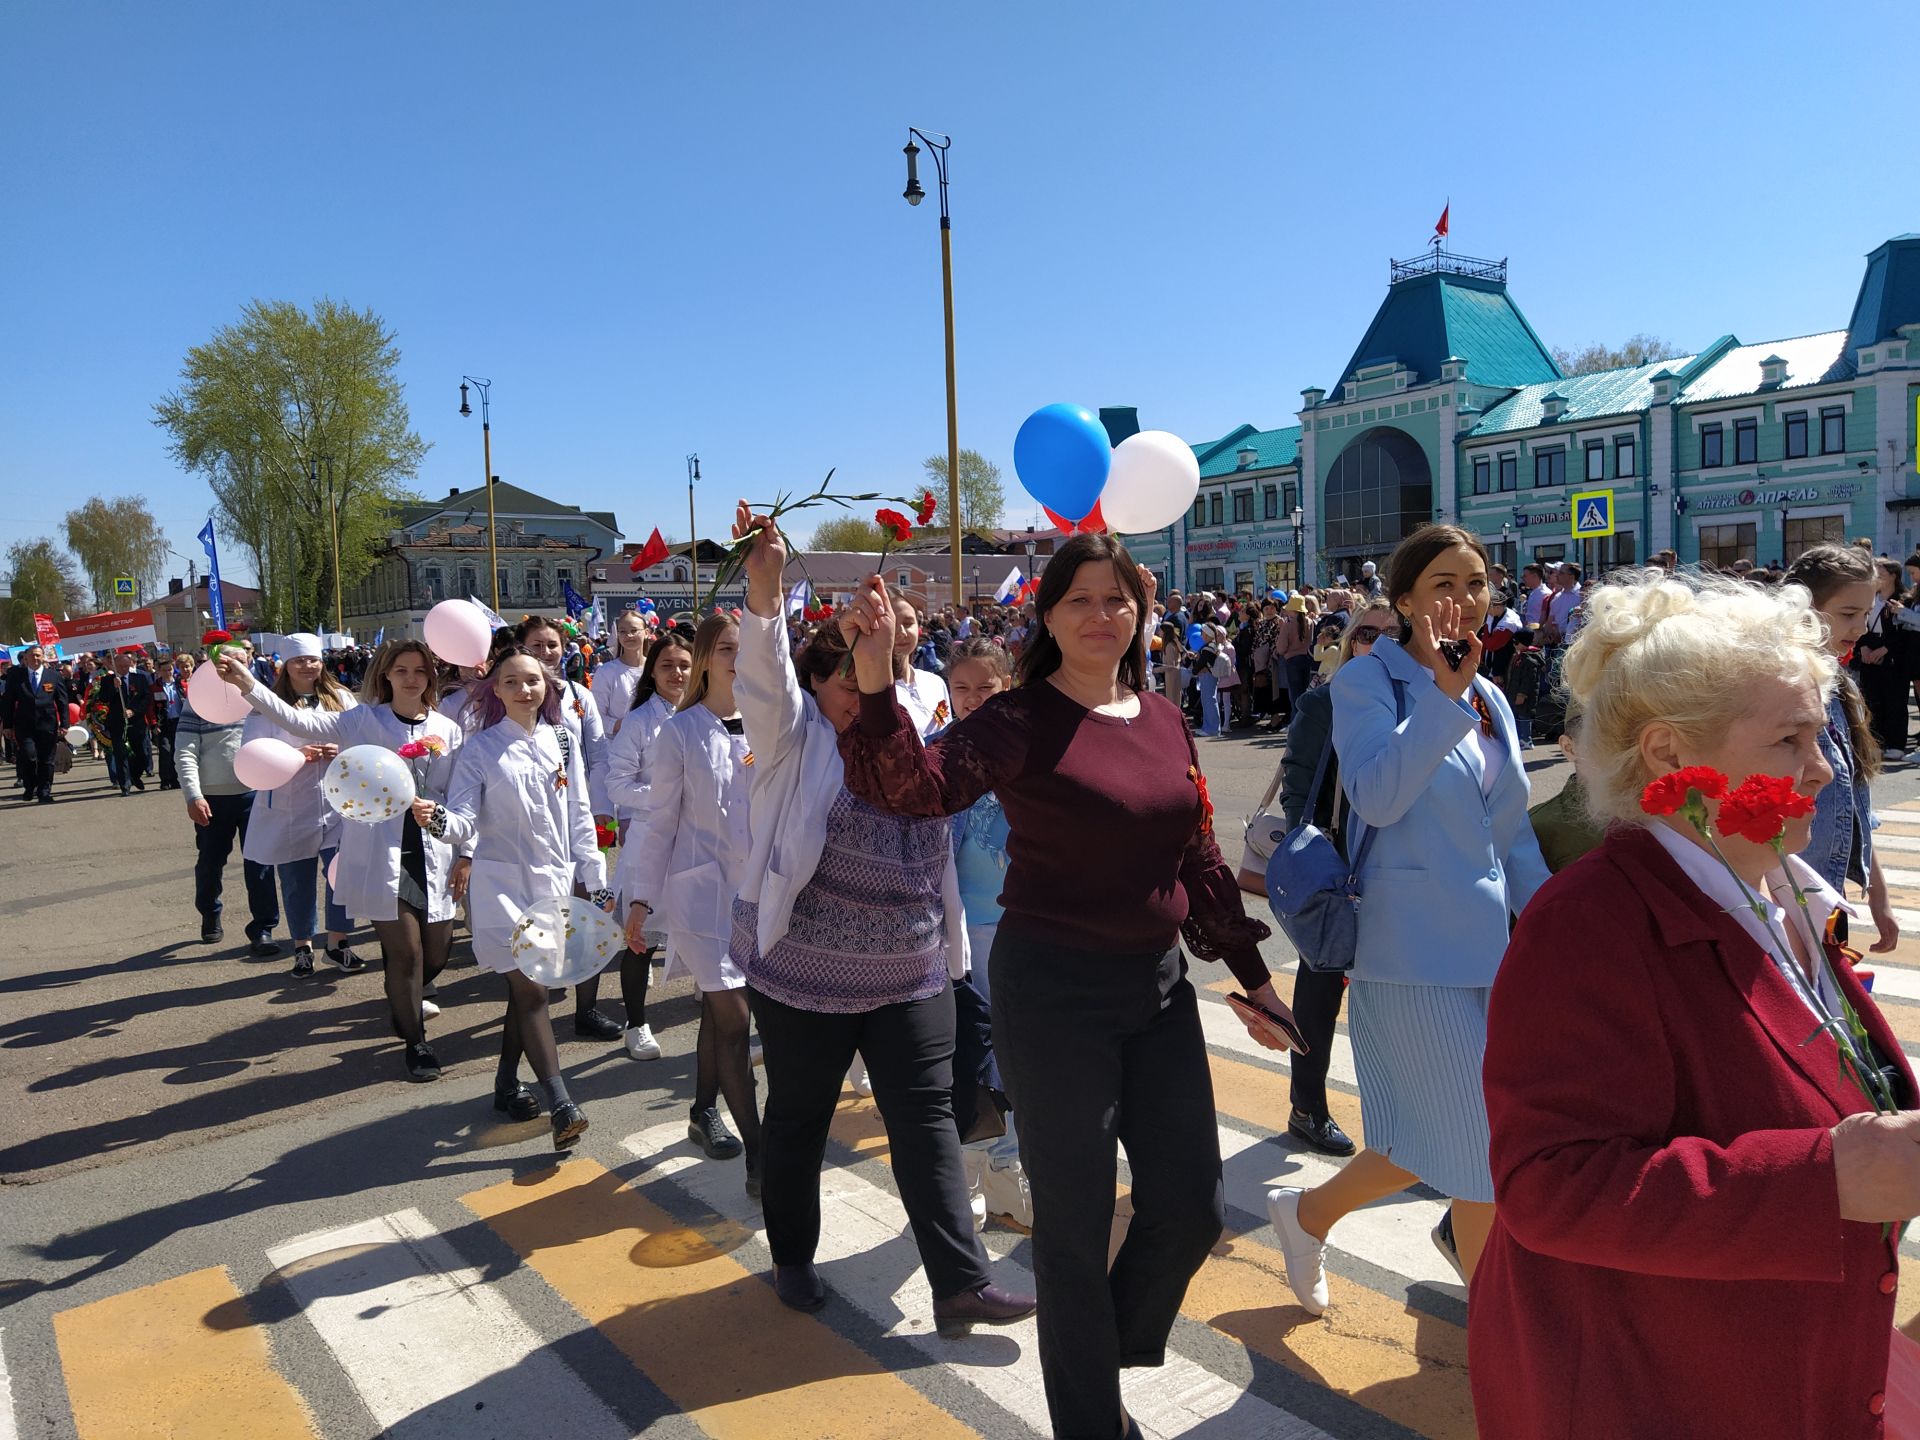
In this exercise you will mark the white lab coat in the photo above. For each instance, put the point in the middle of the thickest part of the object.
(627, 756)
(923, 695)
(293, 822)
(686, 850)
(530, 837)
(797, 777)
(368, 869)
(580, 712)
(613, 684)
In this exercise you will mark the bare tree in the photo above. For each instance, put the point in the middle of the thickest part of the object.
(43, 580)
(1591, 359)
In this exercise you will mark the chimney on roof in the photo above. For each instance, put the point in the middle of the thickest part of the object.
(453, 493)
(176, 585)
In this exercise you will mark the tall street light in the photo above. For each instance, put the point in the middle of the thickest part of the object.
(485, 387)
(1299, 547)
(693, 534)
(325, 462)
(939, 145)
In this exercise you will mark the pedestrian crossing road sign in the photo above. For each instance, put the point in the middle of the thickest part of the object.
(1592, 514)
(123, 584)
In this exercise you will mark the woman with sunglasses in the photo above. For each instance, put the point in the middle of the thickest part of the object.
(1429, 764)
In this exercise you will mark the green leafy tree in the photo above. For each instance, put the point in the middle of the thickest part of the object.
(1591, 359)
(262, 409)
(848, 532)
(42, 580)
(982, 497)
(117, 537)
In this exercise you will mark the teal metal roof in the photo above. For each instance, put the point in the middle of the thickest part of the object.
(1889, 293)
(1425, 320)
(1605, 392)
(1811, 360)
(1221, 458)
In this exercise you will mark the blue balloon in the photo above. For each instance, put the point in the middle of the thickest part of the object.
(1062, 454)
(1195, 639)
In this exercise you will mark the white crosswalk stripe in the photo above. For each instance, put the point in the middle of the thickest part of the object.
(866, 1249)
(9, 1429)
(428, 1345)
(1224, 1029)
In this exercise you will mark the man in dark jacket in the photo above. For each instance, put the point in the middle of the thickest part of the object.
(35, 710)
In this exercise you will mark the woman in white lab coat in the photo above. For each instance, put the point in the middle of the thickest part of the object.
(685, 859)
(615, 679)
(517, 811)
(657, 694)
(923, 695)
(392, 874)
(292, 828)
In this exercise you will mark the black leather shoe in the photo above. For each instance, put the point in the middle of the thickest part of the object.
(592, 1025)
(989, 1305)
(211, 933)
(569, 1123)
(422, 1063)
(799, 1287)
(517, 1103)
(1320, 1132)
(261, 948)
(707, 1130)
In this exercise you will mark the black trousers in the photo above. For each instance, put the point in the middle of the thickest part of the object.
(1100, 1049)
(163, 744)
(1316, 1006)
(1884, 688)
(908, 1049)
(33, 762)
(138, 749)
(215, 841)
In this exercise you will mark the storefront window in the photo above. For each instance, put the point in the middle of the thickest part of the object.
(1280, 574)
(1803, 535)
(1209, 577)
(1721, 545)
(1609, 552)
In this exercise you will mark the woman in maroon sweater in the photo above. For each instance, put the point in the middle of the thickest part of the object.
(1111, 860)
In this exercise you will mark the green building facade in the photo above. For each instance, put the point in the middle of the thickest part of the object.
(1452, 408)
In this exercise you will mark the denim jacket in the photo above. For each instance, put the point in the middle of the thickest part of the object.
(1843, 813)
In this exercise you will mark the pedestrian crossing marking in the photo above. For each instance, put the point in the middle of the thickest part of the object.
(710, 1335)
(181, 1359)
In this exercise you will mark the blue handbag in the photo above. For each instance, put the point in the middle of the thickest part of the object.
(1313, 892)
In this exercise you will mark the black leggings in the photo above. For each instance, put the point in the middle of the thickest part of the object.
(636, 971)
(414, 950)
(723, 1064)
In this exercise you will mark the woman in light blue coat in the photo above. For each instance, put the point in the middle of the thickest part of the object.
(1430, 763)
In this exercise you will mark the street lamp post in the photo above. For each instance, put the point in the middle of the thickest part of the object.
(1299, 543)
(485, 387)
(939, 145)
(974, 597)
(693, 534)
(333, 519)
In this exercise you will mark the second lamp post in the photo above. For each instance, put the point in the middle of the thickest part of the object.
(485, 388)
(938, 145)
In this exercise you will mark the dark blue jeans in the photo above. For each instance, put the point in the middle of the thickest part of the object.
(215, 841)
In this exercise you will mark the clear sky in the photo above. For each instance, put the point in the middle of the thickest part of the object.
(670, 228)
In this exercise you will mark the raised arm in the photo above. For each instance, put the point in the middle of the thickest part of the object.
(772, 707)
(320, 725)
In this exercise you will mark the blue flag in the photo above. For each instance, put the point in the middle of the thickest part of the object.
(215, 603)
(575, 602)
(378, 636)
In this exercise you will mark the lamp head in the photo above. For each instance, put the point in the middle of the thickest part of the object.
(913, 193)
(465, 409)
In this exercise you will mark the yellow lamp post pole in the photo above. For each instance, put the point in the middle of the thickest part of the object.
(938, 145)
(485, 388)
(333, 514)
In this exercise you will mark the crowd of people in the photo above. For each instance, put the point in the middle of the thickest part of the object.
(966, 861)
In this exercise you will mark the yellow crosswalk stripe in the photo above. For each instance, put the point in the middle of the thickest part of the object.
(704, 1329)
(182, 1359)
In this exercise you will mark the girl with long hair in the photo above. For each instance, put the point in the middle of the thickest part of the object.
(1880, 659)
(293, 828)
(517, 810)
(392, 874)
(921, 691)
(684, 860)
(656, 695)
(615, 678)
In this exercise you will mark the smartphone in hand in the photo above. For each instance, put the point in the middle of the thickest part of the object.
(1280, 1028)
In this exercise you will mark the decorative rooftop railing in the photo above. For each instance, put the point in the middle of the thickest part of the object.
(1444, 262)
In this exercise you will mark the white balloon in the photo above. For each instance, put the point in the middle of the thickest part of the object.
(368, 783)
(1154, 478)
(213, 698)
(77, 736)
(563, 940)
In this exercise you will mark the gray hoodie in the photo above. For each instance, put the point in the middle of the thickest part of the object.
(203, 756)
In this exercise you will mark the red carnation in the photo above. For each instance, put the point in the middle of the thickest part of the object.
(927, 506)
(1760, 808)
(1670, 793)
(216, 637)
(605, 836)
(896, 522)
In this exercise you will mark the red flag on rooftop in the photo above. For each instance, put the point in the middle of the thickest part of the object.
(651, 554)
(1440, 229)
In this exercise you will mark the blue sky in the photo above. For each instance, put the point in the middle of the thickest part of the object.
(665, 228)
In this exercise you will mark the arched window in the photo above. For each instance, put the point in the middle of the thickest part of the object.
(1379, 491)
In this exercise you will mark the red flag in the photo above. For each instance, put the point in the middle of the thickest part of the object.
(1440, 230)
(651, 554)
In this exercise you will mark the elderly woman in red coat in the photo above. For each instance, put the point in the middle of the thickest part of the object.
(1690, 1195)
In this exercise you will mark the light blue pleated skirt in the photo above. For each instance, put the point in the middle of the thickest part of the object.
(1416, 1052)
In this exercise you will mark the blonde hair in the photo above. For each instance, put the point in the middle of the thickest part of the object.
(1389, 623)
(705, 641)
(1683, 650)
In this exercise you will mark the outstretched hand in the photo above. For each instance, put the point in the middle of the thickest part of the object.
(869, 626)
(1446, 623)
(766, 560)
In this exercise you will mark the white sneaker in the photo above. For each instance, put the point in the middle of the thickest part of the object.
(1306, 1257)
(428, 1009)
(755, 1055)
(640, 1043)
(1007, 1193)
(1893, 754)
(858, 1078)
(973, 1164)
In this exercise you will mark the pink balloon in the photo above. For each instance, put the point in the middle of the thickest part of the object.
(266, 763)
(457, 631)
(214, 699)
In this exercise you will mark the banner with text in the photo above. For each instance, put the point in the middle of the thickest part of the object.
(107, 631)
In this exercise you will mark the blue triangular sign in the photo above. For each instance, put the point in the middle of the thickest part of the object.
(1594, 517)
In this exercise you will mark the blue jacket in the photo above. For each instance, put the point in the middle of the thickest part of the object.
(1841, 847)
(1447, 864)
